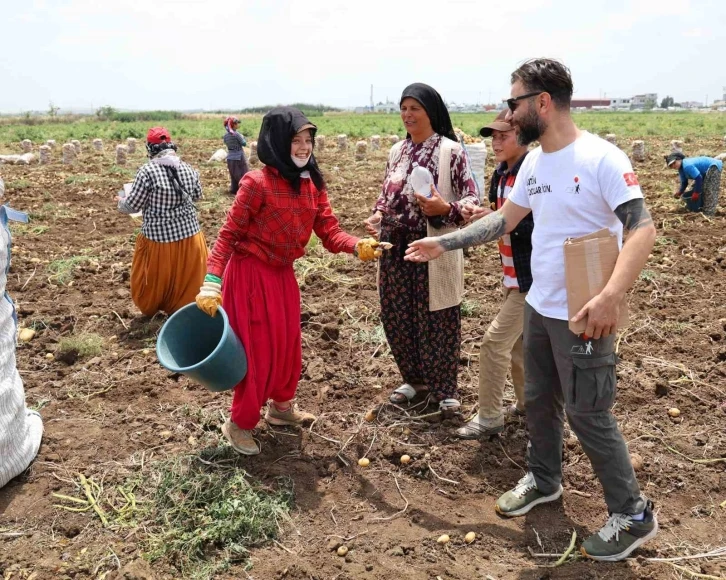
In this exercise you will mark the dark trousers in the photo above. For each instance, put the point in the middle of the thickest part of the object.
(565, 374)
(237, 169)
(425, 344)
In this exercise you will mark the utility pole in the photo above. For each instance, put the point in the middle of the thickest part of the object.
(371, 97)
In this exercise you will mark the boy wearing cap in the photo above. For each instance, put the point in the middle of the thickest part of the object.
(170, 258)
(502, 342)
(706, 175)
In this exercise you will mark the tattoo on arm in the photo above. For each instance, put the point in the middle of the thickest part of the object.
(633, 214)
(484, 230)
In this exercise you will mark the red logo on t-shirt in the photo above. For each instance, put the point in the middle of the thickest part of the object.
(630, 179)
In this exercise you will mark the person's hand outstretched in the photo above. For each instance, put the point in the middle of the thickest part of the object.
(424, 250)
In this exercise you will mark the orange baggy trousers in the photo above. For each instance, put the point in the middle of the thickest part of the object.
(167, 275)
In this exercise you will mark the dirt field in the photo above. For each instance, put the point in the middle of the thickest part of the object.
(112, 414)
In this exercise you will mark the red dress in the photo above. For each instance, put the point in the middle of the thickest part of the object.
(266, 230)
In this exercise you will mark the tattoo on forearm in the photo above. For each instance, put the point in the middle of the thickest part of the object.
(484, 230)
(633, 214)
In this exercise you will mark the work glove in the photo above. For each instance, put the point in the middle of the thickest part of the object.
(367, 249)
(210, 295)
(695, 195)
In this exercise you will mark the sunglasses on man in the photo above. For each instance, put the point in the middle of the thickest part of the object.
(513, 103)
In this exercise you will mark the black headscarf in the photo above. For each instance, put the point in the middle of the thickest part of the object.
(274, 144)
(431, 100)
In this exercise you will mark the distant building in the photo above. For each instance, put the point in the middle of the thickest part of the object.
(620, 104)
(589, 103)
(691, 104)
(644, 101)
(387, 107)
(463, 108)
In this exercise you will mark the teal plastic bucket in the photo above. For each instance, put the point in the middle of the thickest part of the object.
(202, 347)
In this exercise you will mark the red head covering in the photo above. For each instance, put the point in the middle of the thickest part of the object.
(229, 121)
(157, 135)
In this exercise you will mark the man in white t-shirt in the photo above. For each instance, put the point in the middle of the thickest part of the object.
(574, 184)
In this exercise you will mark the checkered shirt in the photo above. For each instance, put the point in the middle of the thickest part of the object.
(272, 222)
(167, 215)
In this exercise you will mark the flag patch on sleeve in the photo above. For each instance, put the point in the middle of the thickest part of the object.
(630, 179)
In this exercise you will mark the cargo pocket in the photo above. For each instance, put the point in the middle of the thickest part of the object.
(593, 383)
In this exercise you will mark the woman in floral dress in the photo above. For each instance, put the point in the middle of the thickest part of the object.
(421, 315)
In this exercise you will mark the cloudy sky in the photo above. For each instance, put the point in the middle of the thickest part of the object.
(211, 54)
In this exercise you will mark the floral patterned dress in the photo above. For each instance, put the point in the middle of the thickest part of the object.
(424, 344)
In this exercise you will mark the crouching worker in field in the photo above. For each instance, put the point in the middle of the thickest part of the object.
(272, 218)
(20, 428)
(706, 175)
(171, 253)
(502, 342)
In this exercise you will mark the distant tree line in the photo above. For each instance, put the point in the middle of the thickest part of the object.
(307, 109)
(111, 114)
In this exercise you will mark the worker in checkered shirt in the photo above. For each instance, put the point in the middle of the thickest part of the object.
(171, 253)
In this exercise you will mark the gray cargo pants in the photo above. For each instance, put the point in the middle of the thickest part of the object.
(564, 373)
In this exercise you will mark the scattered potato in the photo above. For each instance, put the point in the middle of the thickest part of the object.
(26, 334)
(342, 550)
(370, 416)
(49, 356)
(443, 539)
(637, 461)
(364, 462)
(145, 351)
(674, 412)
(405, 459)
(470, 537)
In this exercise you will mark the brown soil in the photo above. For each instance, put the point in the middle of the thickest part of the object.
(109, 416)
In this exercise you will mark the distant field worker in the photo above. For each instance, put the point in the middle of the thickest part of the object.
(236, 160)
(171, 253)
(706, 175)
(274, 214)
(20, 428)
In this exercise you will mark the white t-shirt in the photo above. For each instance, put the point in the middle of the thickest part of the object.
(571, 192)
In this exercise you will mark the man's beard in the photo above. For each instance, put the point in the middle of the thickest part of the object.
(530, 128)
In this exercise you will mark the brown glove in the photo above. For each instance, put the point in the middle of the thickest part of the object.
(209, 297)
(367, 249)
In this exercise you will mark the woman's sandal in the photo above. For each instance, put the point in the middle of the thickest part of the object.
(405, 394)
(449, 408)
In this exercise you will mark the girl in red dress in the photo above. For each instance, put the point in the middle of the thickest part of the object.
(273, 216)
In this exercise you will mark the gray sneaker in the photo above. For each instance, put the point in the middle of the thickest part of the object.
(524, 496)
(620, 536)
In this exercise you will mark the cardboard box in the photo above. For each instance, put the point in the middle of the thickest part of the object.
(589, 263)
